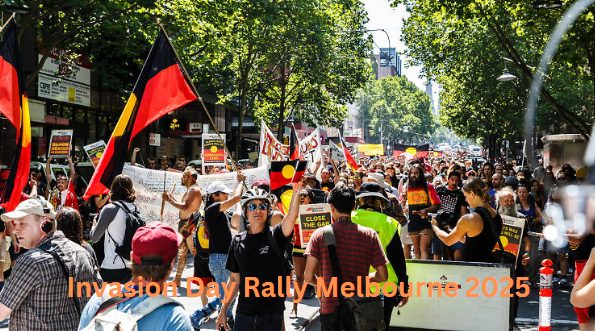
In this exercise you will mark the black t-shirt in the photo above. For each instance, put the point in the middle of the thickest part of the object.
(328, 186)
(219, 230)
(451, 203)
(252, 255)
(582, 251)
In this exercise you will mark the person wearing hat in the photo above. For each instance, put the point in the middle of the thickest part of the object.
(371, 205)
(38, 286)
(154, 249)
(258, 253)
(219, 230)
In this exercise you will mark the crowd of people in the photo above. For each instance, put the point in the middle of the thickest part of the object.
(392, 209)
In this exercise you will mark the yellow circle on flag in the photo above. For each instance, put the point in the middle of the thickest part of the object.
(411, 150)
(288, 171)
(504, 241)
(213, 149)
(99, 155)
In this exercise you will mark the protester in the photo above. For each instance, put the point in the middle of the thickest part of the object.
(189, 206)
(110, 229)
(154, 248)
(453, 206)
(37, 288)
(70, 223)
(259, 253)
(63, 194)
(474, 227)
(372, 203)
(421, 199)
(218, 226)
(353, 263)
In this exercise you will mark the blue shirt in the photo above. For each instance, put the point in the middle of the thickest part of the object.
(165, 318)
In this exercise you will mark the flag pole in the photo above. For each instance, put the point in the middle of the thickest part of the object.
(162, 199)
(12, 17)
(185, 72)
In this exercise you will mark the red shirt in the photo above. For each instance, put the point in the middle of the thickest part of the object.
(357, 247)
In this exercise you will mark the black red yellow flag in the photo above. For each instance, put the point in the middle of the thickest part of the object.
(285, 172)
(348, 157)
(15, 107)
(294, 144)
(160, 89)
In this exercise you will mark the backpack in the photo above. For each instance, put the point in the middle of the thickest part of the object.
(133, 222)
(108, 317)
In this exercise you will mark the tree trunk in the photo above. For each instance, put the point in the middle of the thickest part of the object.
(282, 104)
(243, 110)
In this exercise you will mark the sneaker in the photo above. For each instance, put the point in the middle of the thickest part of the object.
(199, 316)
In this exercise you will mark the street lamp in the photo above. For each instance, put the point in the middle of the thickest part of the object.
(506, 76)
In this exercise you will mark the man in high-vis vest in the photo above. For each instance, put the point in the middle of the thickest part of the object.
(371, 200)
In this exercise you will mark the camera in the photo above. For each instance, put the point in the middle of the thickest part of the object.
(442, 218)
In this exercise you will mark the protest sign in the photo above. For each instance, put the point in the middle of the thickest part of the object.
(60, 144)
(371, 149)
(95, 152)
(312, 217)
(213, 149)
(512, 232)
(270, 148)
(310, 147)
(148, 186)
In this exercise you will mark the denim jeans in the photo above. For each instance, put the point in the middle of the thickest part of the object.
(270, 321)
(217, 266)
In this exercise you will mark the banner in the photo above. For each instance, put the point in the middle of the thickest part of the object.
(213, 149)
(512, 232)
(371, 149)
(312, 217)
(310, 147)
(60, 144)
(270, 148)
(420, 151)
(148, 185)
(95, 152)
(468, 296)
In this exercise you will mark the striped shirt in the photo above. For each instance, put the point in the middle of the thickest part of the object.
(357, 247)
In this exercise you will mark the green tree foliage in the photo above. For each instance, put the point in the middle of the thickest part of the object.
(461, 44)
(392, 104)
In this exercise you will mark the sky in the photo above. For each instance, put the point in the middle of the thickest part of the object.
(382, 16)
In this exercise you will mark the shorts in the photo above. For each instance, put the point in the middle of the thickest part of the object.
(418, 225)
(582, 314)
(458, 245)
(405, 239)
(201, 267)
(436, 246)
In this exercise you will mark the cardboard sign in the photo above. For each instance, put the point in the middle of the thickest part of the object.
(95, 152)
(60, 144)
(213, 149)
(512, 232)
(371, 149)
(313, 217)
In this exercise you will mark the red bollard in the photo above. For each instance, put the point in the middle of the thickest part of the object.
(545, 295)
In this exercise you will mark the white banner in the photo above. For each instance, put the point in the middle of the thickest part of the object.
(270, 148)
(148, 185)
(469, 296)
(310, 147)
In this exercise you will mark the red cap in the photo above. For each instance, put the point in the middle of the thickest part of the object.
(155, 244)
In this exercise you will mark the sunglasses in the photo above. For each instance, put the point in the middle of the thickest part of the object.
(261, 206)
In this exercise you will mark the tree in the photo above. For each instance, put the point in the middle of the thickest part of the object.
(392, 104)
(461, 44)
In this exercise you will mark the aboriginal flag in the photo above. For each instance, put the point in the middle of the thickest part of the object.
(160, 89)
(348, 157)
(420, 151)
(286, 172)
(15, 107)
(294, 144)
